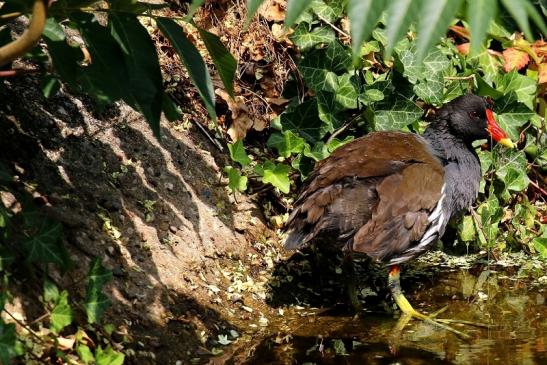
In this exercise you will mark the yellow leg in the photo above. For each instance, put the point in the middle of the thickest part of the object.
(406, 307)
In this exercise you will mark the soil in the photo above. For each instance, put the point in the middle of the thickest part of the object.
(158, 213)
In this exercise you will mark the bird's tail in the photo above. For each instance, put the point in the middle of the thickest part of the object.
(295, 239)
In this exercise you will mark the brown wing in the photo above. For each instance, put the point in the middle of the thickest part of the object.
(379, 188)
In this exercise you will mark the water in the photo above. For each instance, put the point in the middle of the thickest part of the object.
(514, 309)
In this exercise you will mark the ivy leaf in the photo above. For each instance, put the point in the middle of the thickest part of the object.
(51, 292)
(479, 14)
(108, 356)
(238, 153)
(319, 152)
(304, 39)
(540, 245)
(328, 110)
(346, 93)
(390, 115)
(320, 68)
(467, 229)
(9, 347)
(46, 246)
(363, 15)
(523, 86)
(328, 10)
(304, 120)
(275, 174)
(236, 182)
(85, 354)
(61, 315)
(431, 89)
(96, 302)
(513, 179)
(286, 143)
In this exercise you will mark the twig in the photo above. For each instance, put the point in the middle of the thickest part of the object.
(536, 185)
(12, 73)
(341, 129)
(334, 27)
(204, 131)
(24, 326)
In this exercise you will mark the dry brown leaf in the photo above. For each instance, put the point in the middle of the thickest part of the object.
(515, 59)
(277, 101)
(542, 73)
(273, 10)
(66, 343)
(281, 34)
(241, 121)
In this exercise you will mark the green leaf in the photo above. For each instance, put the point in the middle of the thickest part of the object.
(61, 315)
(50, 85)
(141, 61)
(9, 347)
(236, 182)
(518, 9)
(304, 39)
(346, 93)
(431, 89)
(46, 246)
(389, 115)
(286, 143)
(53, 31)
(106, 76)
(85, 354)
(363, 16)
(339, 347)
(96, 302)
(329, 10)
(197, 69)
(304, 120)
(513, 179)
(479, 14)
(328, 109)
(320, 68)
(193, 8)
(252, 7)
(400, 14)
(51, 292)
(238, 153)
(523, 86)
(540, 245)
(319, 151)
(371, 95)
(171, 110)
(277, 175)
(434, 19)
(225, 63)
(467, 229)
(108, 356)
(294, 9)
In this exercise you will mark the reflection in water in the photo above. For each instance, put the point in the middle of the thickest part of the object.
(514, 309)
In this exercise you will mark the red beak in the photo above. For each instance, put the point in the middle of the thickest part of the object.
(495, 130)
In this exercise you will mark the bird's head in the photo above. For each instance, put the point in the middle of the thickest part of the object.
(471, 117)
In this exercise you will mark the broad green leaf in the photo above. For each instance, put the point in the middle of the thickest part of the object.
(435, 17)
(108, 356)
(106, 76)
(479, 15)
(371, 95)
(96, 302)
(304, 39)
(252, 7)
(518, 10)
(9, 347)
(46, 246)
(197, 69)
(305, 121)
(467, 229)
(141, 60)
(225, 63)
(238, 153)
(286, 143)
(53, 31)
(61, 315)
(51, 292)
(395, 115)
(85, 354)
(486, 90)
(50, 85)
(363, 16)
(328, 111)
(320, 67)
(294, 9)
(277, 175)
(171, 110)
(540, 245)
(319, 151)
(236, 182)
(401, 13)
(489, 64)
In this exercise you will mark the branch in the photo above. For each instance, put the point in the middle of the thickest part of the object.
(30, 37)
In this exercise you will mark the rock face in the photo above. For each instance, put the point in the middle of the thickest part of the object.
(154, 211)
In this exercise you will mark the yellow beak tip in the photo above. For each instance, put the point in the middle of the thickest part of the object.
(507, 143)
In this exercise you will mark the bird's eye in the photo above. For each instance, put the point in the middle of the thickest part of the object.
(474, 115)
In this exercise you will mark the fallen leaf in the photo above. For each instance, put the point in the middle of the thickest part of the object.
(66, 343)
(515, 59)
(273, 10)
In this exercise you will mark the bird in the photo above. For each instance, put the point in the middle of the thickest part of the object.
(390, 194)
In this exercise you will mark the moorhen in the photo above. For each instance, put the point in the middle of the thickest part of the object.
(391, 194)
